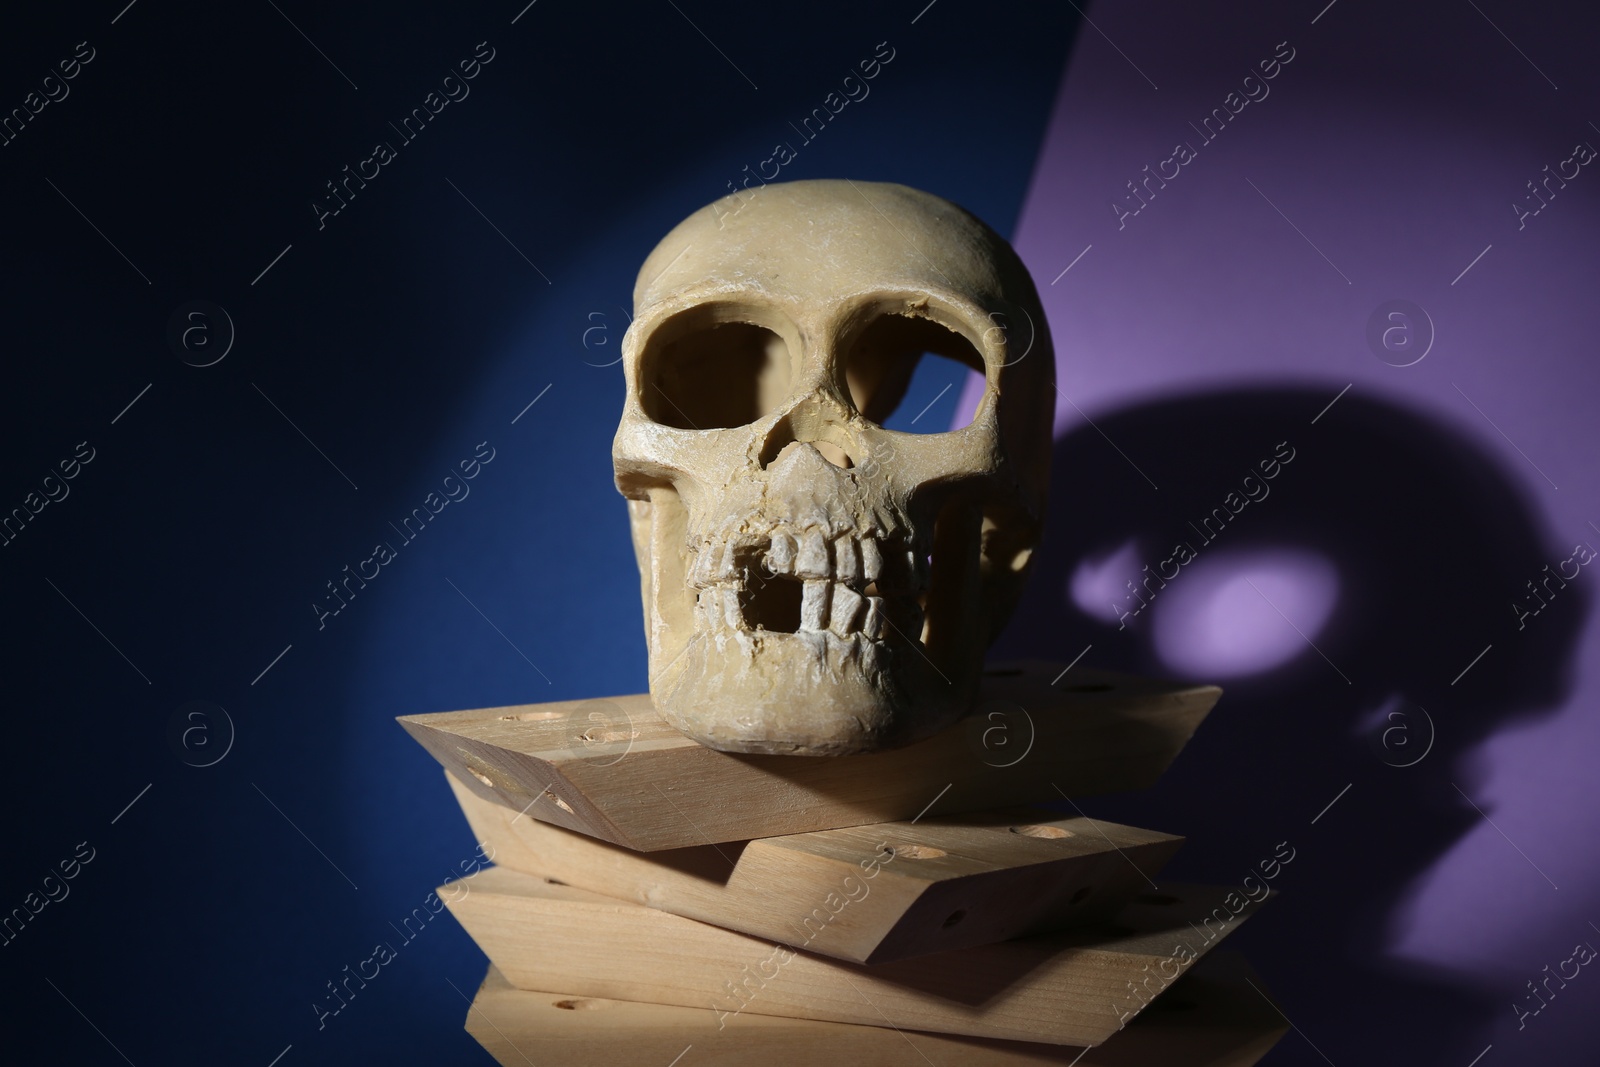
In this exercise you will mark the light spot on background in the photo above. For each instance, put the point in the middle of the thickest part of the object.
(1098, 585)
(1230, 614)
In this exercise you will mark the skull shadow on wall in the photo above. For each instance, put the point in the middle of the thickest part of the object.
(1335, 608)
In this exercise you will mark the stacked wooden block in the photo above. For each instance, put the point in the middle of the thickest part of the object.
(654, 899)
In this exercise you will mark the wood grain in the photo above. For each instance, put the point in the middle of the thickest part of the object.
(614, 770)
(1074, 987)
(1212, 1017)
(944, 883)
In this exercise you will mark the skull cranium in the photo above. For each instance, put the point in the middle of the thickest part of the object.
(814, 583)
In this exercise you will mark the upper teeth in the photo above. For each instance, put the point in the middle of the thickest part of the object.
(837, 575)
(846, 560)
(780, 555)
(871, 560)
(814, 560)
(850, 560)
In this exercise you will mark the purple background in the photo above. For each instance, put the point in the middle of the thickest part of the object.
(1202, 330)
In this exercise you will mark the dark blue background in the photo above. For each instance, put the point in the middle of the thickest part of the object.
(396, 338)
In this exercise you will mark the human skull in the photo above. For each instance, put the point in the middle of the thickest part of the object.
(813, 583)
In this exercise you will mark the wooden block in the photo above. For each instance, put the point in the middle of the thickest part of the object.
(1212, 1017)
(944, 883)
(613, 770)
(1074, 987)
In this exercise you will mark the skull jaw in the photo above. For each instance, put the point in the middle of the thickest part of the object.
(806, 694)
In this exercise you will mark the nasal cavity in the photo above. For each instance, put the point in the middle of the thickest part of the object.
(783, 439)
(771, 602)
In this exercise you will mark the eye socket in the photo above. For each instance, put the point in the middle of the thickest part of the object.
(715, 377)
(906, 373)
